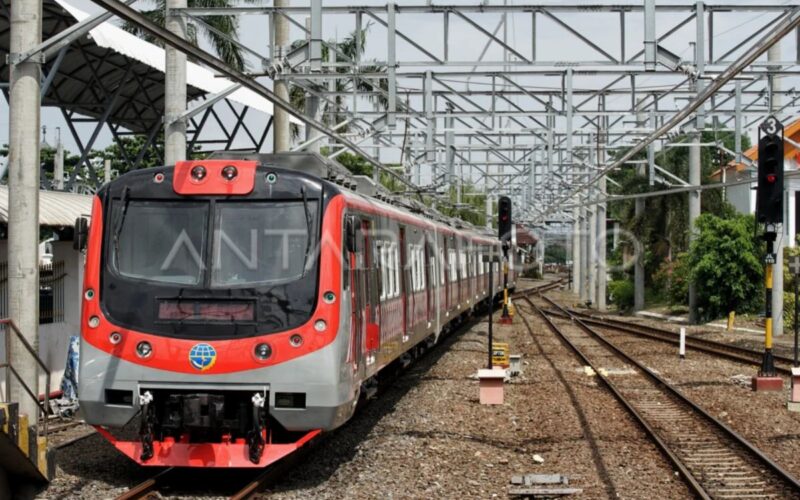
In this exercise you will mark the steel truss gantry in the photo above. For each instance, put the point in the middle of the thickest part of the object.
(533, 100)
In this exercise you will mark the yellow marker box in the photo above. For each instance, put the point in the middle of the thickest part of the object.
(500, 354)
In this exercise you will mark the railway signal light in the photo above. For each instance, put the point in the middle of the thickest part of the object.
(504, 218)
(769, 193)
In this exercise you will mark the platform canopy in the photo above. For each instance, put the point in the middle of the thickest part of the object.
(56, 208)
(109, 77)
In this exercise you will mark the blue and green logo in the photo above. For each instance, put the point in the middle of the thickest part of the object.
(202, 356)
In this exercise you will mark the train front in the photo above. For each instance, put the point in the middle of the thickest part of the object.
(209, 333)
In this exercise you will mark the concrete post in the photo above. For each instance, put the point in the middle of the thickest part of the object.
(638, 265)
(576, 251)
(585, 249)
(694, 149)
(601, 247)
(488, 208)
(23, 199)
(58, 166)
(601, 214)
(281, 135)
(106, 171)
(312, 104)
(694, 212)
(175, 89)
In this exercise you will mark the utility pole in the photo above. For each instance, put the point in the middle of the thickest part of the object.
(694, 149)
(281, 135)
(23, 198)
(638, 265)
(174, 88)
(58, 165)
(601, 211)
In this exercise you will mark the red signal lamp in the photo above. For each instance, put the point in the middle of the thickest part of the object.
(771, 178)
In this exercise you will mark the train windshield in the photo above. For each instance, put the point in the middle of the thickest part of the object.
(159, 241)
(262, 243)
(252, 244)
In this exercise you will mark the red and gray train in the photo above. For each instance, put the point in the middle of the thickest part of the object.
(233, 309)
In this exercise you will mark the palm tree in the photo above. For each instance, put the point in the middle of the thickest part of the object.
(219, 31)
(346, 51)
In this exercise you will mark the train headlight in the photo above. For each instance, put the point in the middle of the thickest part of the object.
(320, 325)
(229, 172)
(89, 294)
(199, 173)
(329, 297)
(115, 338)
(144, 349)
(272, 177)
(262, 351)
(94, 322)
(296, 340)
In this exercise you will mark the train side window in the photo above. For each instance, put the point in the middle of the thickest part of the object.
(382, 260)
(396, 271)
(441, 267)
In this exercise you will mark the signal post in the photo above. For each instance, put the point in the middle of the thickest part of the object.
(504, 230)
(769, 211)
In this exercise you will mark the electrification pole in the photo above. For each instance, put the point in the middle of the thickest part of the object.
(23, 198)
(281, 135)
(174, 88)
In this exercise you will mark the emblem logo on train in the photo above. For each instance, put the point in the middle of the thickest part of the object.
(202, 356)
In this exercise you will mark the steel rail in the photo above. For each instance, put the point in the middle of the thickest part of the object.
(688, 477)
(670, 389)
(733, 352)
(145, 487)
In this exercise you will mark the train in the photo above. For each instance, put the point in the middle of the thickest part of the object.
(236, 307)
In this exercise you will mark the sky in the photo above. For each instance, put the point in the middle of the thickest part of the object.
(554, 44)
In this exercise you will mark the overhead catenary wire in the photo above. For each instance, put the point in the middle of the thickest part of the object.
(790, 21)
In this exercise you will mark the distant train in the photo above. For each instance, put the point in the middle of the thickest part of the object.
(235, 308)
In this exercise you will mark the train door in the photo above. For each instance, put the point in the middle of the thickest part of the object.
(366, 287)
(430, 279)
(407, 299)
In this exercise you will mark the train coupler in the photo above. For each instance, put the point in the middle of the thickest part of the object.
(255, 438)
(146, 425)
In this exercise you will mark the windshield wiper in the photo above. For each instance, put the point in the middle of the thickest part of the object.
(309, 223)
(120, 221)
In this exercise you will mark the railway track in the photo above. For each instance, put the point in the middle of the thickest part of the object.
(745, 355)
(276, 471)
(714, 460)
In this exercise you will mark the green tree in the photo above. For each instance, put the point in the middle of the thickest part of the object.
(555, 254)
(347, 51)
(220, 31)
(725, 265)
(663, 226)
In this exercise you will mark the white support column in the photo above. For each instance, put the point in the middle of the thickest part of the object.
(58, 166)
(106, 171)
(281, 134)
(601, 247)
(175, 89)
(23, 181)
(576, 251)
(694, 149)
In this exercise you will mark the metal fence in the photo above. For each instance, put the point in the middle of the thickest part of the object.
(51, 292)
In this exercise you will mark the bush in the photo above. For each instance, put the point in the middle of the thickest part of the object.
(621, 293)
(725, 265)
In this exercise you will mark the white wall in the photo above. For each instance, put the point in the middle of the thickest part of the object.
(54, 337)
